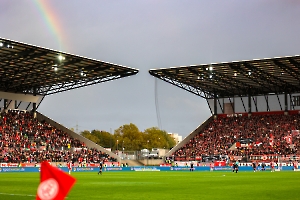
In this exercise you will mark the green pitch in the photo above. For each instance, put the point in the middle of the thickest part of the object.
(163, 185)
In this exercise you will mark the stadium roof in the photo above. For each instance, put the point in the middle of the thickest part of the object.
(27, 68)
(238, 78)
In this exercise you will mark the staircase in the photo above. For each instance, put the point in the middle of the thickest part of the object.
(132, 163)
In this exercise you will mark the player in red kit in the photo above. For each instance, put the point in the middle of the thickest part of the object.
(295, 164)
(70, 164)
(211, 165)
(272, 164)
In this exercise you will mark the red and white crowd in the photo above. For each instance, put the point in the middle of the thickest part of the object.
(264, 135)
(25, 139)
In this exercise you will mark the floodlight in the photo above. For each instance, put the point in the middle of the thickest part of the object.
(60, 57)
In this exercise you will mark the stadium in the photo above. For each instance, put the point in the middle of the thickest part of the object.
(255, 117)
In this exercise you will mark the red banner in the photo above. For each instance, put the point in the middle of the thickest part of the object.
(9, 165)
(27, 164)
(219, 163)
(165, 165)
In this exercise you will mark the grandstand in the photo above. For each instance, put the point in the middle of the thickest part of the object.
(29, 74)
(254, 105)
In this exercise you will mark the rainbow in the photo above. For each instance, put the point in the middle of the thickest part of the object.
(52, 21)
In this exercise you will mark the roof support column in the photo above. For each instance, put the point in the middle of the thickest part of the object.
(285, 104)
(34, 104)
(233, 104)
(215, 106)
(267, 101)
(223, 106)
(249, 105)
(5, 104)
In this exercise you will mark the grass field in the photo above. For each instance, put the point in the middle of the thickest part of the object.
(163, 185)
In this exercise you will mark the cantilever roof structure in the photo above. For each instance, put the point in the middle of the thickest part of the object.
(238, 78)
(30, 69)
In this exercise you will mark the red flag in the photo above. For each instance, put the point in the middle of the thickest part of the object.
(295, 132)
(257, 143)
(288, 139)
(271, 139)
(55, 184)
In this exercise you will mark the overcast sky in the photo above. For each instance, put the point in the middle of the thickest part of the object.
(148, 34)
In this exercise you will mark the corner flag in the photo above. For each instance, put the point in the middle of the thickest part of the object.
(55, 184)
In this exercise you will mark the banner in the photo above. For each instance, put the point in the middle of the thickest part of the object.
(243, 167)
(219, 163)
(9, 164)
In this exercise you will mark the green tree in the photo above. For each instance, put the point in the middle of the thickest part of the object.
(104, 138)
(128, 137)
(88, 135)
(156, 138)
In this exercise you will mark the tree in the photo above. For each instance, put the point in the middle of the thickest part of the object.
(129, 137)
(88, 135)
(156, 138)
(104, 138)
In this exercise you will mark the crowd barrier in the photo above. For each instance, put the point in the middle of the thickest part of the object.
(136, 168)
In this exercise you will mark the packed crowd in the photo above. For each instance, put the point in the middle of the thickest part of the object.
(264, 135)
(25, 139)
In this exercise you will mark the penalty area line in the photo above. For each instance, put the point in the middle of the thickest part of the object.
(24, 195)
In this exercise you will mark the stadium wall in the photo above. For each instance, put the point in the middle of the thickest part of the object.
(137, 168)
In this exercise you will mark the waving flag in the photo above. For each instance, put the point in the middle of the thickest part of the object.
(55, 184)
(295, 132)
(271, 139)
(257, 143)
(288, 139)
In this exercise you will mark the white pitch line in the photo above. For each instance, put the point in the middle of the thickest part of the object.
(25, 195)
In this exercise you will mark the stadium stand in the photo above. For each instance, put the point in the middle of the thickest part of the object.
(25, 139)
(254, 105)
(28, 74)
(259, 134)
